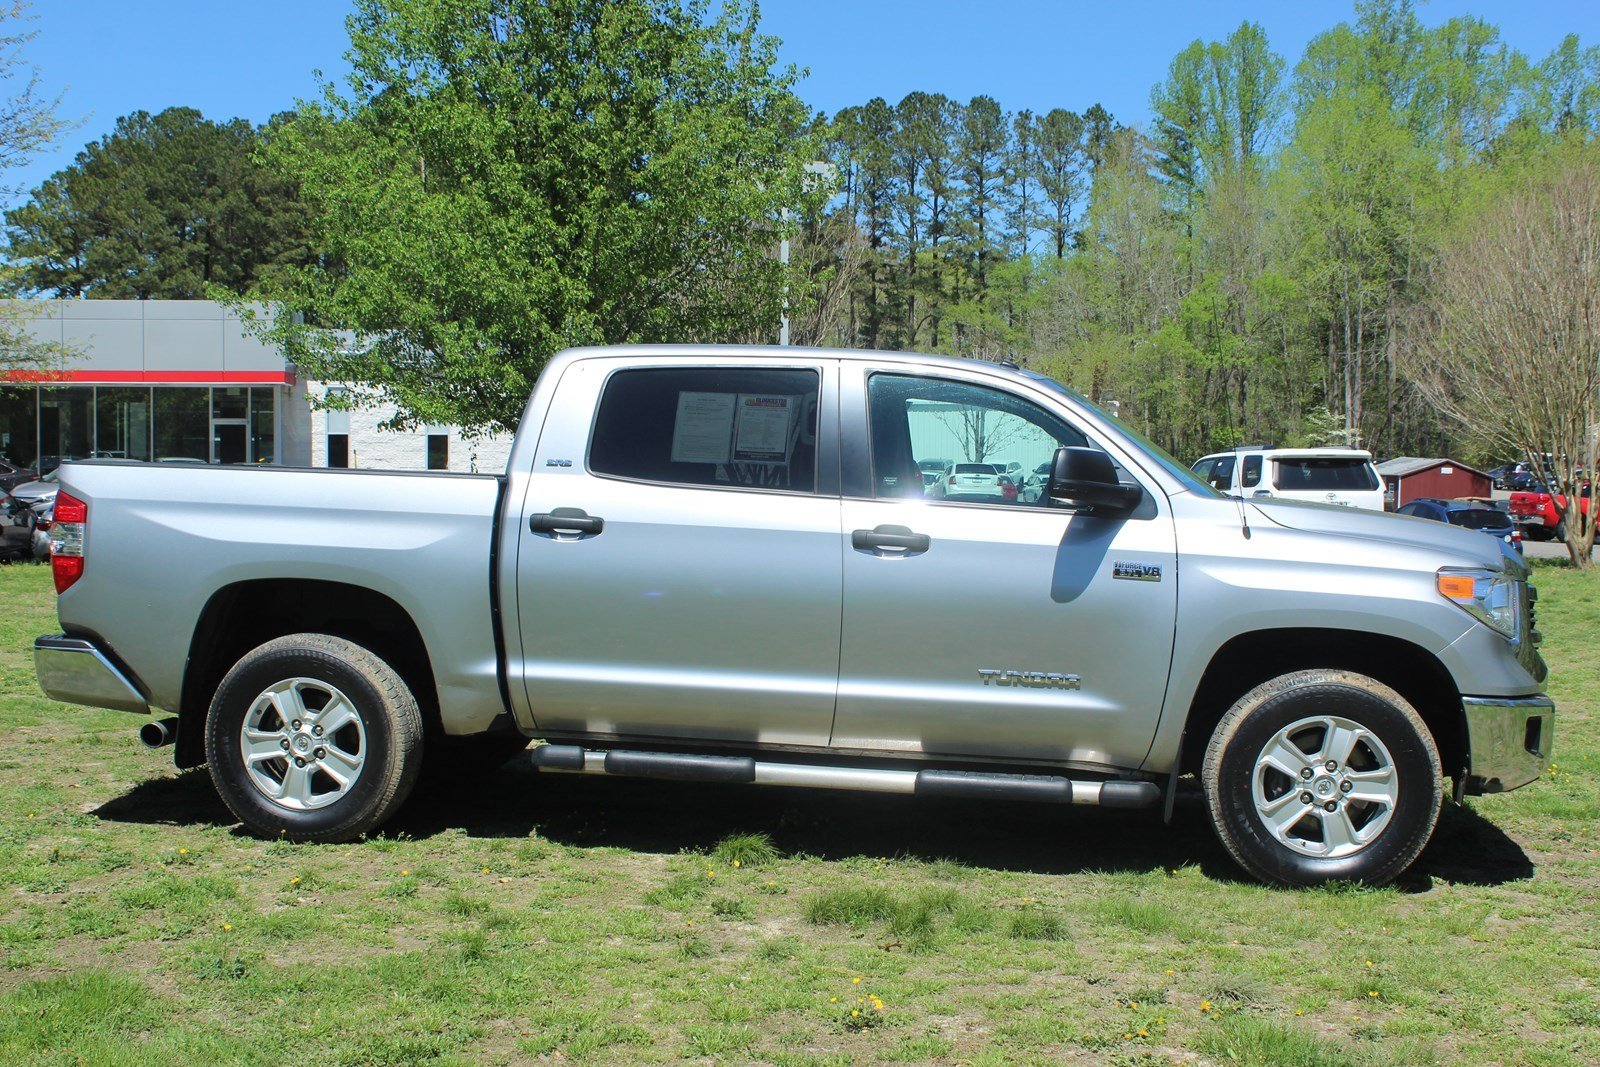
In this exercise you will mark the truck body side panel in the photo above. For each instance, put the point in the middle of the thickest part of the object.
(162, 540)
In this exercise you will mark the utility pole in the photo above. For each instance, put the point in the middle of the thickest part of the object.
(816, 169)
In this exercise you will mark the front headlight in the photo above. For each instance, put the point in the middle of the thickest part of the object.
(1491, 597)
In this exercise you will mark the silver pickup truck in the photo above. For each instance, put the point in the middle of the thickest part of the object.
(721, 564)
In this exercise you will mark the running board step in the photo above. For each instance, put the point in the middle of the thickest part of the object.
(743, 769)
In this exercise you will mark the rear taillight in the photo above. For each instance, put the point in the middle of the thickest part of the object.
(66, 540)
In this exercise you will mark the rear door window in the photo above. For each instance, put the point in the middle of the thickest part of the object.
(1318, 474)
(1252, 471)
(730, 427)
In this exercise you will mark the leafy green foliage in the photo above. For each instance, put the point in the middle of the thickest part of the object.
(170, 205)
(1249, 271)
(499, 179)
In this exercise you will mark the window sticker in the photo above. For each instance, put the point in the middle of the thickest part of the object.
(763, 428)
(704, 428)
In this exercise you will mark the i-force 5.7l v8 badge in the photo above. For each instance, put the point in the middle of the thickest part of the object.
(1137, 572)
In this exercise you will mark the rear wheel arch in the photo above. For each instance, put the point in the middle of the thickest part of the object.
(245, 615)
(1250, 659)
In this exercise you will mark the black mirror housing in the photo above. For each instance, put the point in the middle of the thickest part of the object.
(1085, 478)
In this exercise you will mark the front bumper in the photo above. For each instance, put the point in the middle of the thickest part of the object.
(76, 671)
(1508, 741)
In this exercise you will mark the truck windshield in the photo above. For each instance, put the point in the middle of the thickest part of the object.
(1131, 439)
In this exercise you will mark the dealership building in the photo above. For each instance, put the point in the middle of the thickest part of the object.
(182, 381)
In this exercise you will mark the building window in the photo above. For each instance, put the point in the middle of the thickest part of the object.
(263, 426)
(438, 452)
(183, 425)
(338, 450)
(122, 421)
(19, 426)
(66, 425)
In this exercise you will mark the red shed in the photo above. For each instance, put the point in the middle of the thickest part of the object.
(1408, 478)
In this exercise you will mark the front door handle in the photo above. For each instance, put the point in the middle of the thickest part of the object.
(897, 539)
(566, 521)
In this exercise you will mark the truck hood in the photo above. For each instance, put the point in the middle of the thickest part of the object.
(1462, 547)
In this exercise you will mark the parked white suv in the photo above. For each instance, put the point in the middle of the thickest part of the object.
(1343, 476)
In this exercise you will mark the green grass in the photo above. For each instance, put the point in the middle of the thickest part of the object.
(506, 918)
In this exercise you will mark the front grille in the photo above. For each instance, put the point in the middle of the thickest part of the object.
(1527, 644)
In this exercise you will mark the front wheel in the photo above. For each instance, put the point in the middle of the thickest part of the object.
(313, 738)
(1322, 776)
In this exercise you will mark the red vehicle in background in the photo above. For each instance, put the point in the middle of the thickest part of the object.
(1539, 513)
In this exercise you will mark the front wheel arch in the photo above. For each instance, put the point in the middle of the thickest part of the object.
(1249, 659)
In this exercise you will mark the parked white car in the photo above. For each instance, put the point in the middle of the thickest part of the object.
(1344, 476)
(974, 482)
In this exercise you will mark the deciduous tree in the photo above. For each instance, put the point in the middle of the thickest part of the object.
(1511, 346)
(499, 179)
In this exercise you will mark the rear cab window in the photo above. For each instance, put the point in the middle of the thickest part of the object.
(723, 427)
(1479, 519)
(1322, 474)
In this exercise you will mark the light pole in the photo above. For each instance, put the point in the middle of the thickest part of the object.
(820, 169)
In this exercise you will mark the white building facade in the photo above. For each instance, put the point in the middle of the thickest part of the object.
(182, 381)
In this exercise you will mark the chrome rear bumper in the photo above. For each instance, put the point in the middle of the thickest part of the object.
(75, 671)
(1508, 741)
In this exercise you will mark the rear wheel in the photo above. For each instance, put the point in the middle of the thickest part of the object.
(313, 738)
(1323, 776)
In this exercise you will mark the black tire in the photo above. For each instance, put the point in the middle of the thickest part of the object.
(1560, 533)
(1229, 777)
(390, 743)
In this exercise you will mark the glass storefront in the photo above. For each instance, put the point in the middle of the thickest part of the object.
(263, 426)
(122, 421)
(44, 425)
(183, 424)
(19, 426)
(66, 425)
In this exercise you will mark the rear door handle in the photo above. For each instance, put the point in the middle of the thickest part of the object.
(566, 521)
(897, 539)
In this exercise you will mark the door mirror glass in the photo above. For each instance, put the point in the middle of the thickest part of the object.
(1086, 478)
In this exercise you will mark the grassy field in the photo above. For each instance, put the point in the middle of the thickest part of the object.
(508, 918)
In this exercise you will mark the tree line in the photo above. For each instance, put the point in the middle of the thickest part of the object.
(1247, 267)
(499, 178)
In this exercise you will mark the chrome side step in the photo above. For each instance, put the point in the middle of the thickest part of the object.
(744, 769)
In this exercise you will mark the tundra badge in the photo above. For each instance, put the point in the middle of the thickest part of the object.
(1030, 679)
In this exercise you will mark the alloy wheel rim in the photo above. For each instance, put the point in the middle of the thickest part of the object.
(303, 744)
(1325, 786)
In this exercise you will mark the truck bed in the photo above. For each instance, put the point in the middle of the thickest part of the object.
(163, 540)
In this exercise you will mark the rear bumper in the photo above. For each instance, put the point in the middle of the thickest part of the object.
(74, 670)
(1508, 741)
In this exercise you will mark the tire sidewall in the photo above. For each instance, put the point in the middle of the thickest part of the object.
(232, 703)
(1417, 775)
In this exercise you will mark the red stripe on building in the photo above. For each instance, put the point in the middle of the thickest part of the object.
(151, 377)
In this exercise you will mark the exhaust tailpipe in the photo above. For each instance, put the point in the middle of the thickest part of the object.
(159, 734)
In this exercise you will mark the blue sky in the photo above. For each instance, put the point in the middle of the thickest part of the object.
(254, 57)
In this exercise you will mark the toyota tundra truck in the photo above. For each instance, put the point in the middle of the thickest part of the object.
(719, 564)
